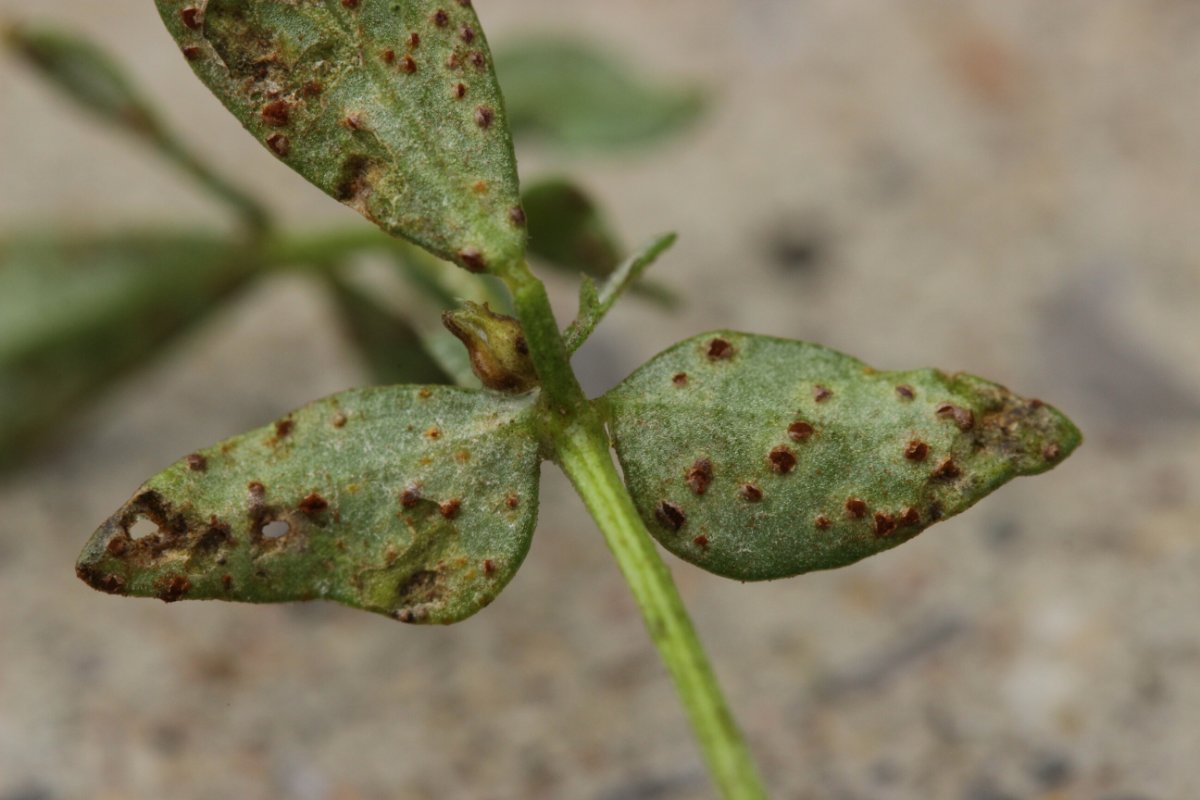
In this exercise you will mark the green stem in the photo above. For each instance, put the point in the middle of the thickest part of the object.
(575, 436)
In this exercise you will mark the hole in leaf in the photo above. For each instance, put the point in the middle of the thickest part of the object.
(142, 528)
(275, 529)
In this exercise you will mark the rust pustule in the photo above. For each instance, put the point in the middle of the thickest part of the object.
(172, 587)
(856, 508)
(410, 495)
(821, 393)
(353, 121)
(313, 503)
(466, 33)
(339, 420)
(483, 117)
(452, 61)
(102, 581)
(670, 515)
(433, 432)
(516, 215)
(389, 56)
(800, 431)
(964, 418)
(910, 516)
(197, 463)
(1052, 451)
(408, 65)
(511, 501)
(440, 18)
(477, 60)
(701, 541)
(679, 379)
(424, 393)
(489, 568)
(460, 90)
(905, 392)
(351, 4)
(284, 427)
(885, 524)
(190, 17)
(821, 521)
(192, 53)
(699, 475)
(916, 450)
(472, 259)
(946, 469)
(312, 89)
(276, 113)
(750, 492)
(280, 145)
(465, 3)
(719, 349)
(782, 459)
(450, 508)
(414, 40)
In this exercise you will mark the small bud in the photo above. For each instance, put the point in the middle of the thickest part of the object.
(496, 345)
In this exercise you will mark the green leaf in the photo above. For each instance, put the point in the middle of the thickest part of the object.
(86, 74)
(593, 304)
(75, 313)
(414, 502)
(390, 106)
(758, 458)
(568, 230)
(573, 95)
(391, 347)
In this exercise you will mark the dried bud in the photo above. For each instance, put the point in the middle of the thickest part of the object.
(496, 345)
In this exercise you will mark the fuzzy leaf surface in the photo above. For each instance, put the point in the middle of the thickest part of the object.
(390, 106)
(77, 312)
(757, 458)
(575, 95)
(414, 502)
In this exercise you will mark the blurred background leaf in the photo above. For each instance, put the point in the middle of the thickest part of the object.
(574, 95)
(78, 312)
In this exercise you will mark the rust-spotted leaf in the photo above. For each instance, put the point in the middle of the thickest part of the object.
(414, 502)
(390, 106)
(811, 459)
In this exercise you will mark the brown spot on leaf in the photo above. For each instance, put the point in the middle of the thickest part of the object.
(227, 583)
(192, 53)
(190, 17)
(670, 515)
(104, 582)
(460, 90)
(516, 215)
(483, 117)
(782, 459)
(800, 431)
(701, 541)
(197, 462)
(856, 507)
(465, 3)
(450, 508)
(964, 418)
(452, 61)
(511, 501)
(433, 432)
(719, 349)
(822, 521)
(414, 40)
(916, 450)
(425, 393)
(472, 259)
(822, 393)
(350, 4)
(910, 516)
(312, 89)
(280, 145)
(353, 121)
(750, 492)
(440, 18)
(885, 524)
(1052, 451)
(389, 56)
(276, 113)
(256, 489)
(313, 504)
(489, 568)
(410, 496)
(946, 469)
(466, 33)
(353, 185)
(479, 187)
(172, 587)
(700, 475)
(679, 379)
(905, 391)
(117, 546)
(408, 64)
(339, 420)
(477, 60)
(423, 586)
(284, 427)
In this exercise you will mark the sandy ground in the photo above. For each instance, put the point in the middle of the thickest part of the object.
(1008, 188)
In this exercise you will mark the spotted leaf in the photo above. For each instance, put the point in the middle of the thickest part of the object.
(759, 458)
(390, 106)
(414, 502)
